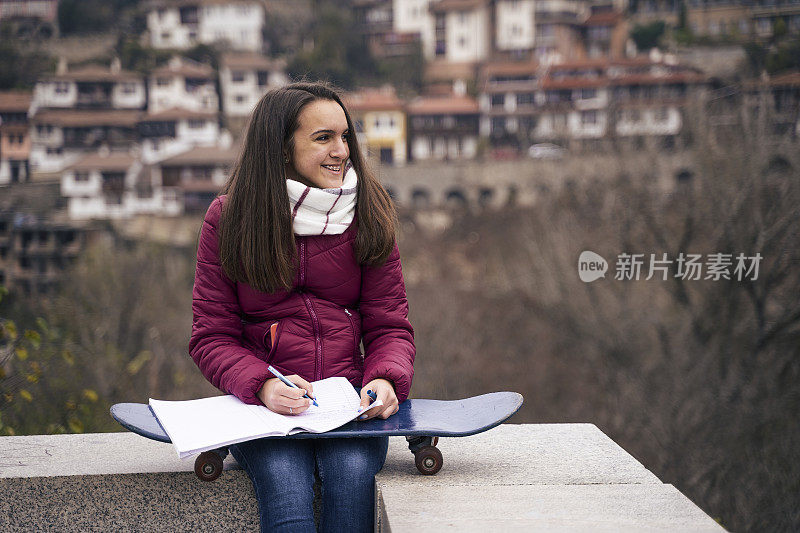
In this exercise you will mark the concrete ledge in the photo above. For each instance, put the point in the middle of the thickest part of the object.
(544, 508)
(531, 477)
(168, 502)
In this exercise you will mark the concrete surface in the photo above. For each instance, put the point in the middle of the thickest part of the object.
(531, 477)
(515, 477)
(533, 508)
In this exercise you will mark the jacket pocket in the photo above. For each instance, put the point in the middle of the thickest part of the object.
(357, 359)
(271, 338)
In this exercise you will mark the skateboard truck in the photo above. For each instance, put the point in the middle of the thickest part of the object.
(427, 456)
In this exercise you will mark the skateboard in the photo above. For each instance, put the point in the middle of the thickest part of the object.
(420, 421)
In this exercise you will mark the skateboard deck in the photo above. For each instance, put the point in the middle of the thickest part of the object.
(421, 421)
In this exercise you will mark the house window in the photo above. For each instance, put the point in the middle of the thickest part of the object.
(240, 98)
(526, 98)
(163, 82)
(81, 176)
(62, 87)
(237, 76)
(661, 114)
(129, 88)
(498, 125)
(498, 100)
(196, 124)
(588, 94)
(589, 117)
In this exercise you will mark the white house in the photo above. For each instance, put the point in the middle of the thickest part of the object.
(462, 30)
(380, 122)
(443, 128)
(91, 87)
(174, 131)
(185, 84)
(181, 24)
(196, 177)
(114, 185)
(414, 16)
(515, 25)
(244, 78)
(60, 137)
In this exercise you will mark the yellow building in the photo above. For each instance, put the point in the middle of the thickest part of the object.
(380, 121)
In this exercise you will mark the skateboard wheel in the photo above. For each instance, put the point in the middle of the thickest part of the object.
(208, 466)
(428, 460)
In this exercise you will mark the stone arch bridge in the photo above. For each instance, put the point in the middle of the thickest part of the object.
(496, 184)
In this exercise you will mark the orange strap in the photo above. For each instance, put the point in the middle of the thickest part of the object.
(272, 329)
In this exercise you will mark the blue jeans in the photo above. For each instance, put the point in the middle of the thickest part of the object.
(282, 472)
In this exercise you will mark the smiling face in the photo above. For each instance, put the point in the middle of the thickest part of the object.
(320, 145)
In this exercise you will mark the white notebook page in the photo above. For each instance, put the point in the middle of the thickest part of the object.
(196, 426)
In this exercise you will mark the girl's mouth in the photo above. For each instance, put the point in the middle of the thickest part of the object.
(333, 168)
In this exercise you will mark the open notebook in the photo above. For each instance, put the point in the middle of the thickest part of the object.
(196, 426)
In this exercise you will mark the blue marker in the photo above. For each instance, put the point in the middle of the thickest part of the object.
(292, 385)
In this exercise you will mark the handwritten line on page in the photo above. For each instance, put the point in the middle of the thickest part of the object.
(196, 426)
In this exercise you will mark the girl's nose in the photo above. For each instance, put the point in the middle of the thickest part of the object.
(340, 149)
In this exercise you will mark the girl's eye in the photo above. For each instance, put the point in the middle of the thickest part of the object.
(323, 137)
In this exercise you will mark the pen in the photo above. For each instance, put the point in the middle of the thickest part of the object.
(282, 378)
(373, 396)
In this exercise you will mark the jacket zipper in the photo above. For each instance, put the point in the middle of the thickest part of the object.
(310, 307)
(356, 353)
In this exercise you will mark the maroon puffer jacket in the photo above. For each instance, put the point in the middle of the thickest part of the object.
(313, 331)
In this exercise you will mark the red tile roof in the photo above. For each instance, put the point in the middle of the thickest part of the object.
(251, 61)
(204, 156)
(177, 113)
(119, 161)
(608, 18)
(15, 100)
(69, 117)
(436, 106)
(444, 70)
(95, 73)
(373, 100)
(789, 78)
(456, 5)
(187, 68)
(495, 68)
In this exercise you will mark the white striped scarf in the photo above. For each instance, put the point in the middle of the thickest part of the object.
(323, 211)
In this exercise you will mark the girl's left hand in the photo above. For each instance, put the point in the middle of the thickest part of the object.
(385, 391)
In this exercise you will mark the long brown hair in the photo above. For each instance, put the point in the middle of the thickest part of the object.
(256, 241)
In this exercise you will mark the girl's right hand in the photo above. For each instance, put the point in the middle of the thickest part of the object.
(283, 399)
